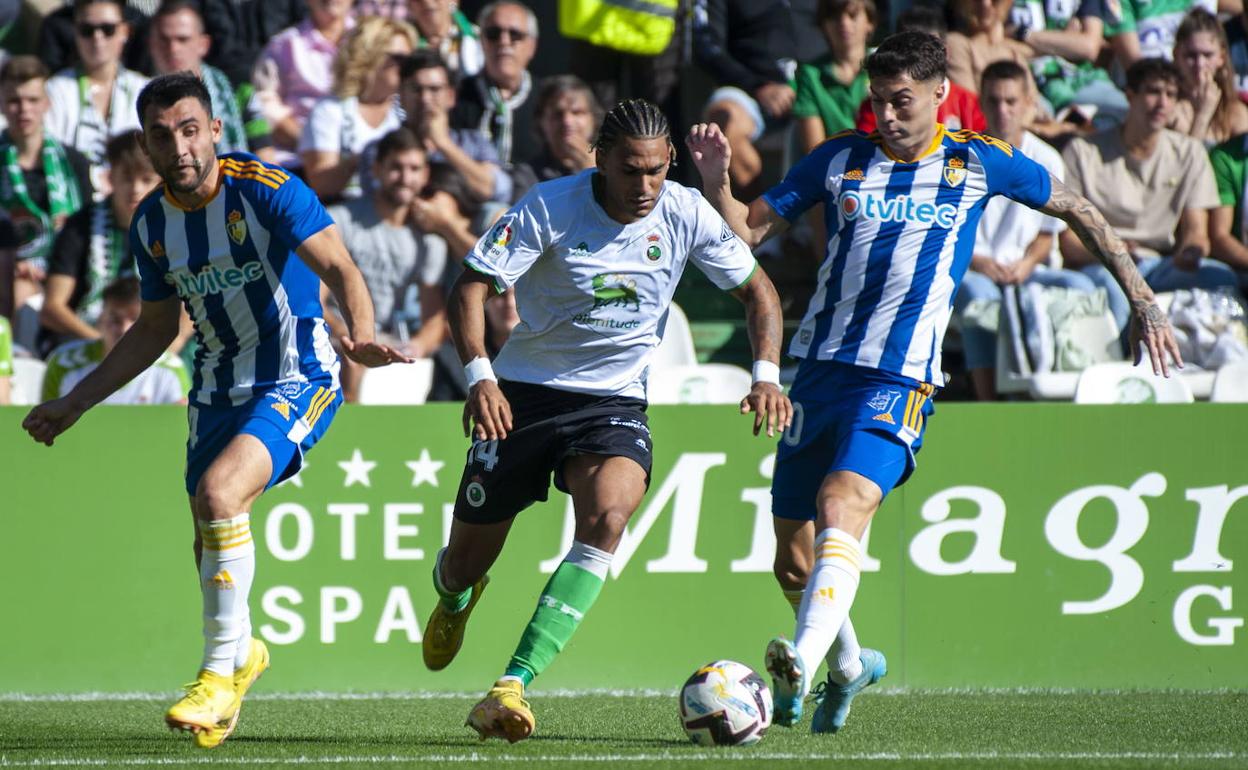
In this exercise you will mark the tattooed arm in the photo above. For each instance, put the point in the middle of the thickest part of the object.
(1148, 323)
(764, 322)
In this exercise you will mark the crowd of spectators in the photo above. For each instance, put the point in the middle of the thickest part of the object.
(419, 121)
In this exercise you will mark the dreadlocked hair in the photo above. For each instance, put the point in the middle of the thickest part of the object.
(636, 119)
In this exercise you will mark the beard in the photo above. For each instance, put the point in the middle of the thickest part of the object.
(201, 173)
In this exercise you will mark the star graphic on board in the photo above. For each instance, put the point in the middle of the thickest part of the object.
(357, 469)
(297, 479)
(424, 469)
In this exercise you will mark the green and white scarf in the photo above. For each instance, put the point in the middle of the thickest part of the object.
(225, 106)
(106, 259)
(64, 197)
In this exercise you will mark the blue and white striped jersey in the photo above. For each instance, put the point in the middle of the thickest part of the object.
(255, 304)
(899, 241)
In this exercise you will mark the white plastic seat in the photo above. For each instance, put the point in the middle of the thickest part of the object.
(1230, 384)
(397, 384)
(676, 347)
(1122, 383)
(27, 389)
(698, 384)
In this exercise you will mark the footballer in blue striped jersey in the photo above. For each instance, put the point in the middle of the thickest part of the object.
(243, 246)
(901, 208)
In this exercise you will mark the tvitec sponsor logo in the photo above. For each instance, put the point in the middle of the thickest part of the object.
(214, 280)
(903, 208)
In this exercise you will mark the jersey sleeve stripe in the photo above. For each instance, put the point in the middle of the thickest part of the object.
(256, 167)
(254, 177)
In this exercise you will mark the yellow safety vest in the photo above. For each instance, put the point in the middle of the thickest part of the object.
(633, 26)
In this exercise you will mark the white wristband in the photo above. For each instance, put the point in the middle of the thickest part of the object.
(766, 371)
(479, 369)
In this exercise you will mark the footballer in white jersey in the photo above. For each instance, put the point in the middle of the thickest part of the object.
(241, 245)
(593, 260)
(901, 208)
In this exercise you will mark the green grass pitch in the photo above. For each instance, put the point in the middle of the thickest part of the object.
(888, 729)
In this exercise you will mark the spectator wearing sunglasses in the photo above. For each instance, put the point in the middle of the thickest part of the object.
(362, 110)
(95, 100)
(56, 44)
(496, 101)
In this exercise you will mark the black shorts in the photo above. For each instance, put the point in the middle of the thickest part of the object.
(502, 478)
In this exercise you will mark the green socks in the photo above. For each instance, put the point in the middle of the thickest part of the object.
(568, 595)
(453, 601)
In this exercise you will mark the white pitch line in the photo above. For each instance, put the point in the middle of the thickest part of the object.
(91, 697)
(717, 756)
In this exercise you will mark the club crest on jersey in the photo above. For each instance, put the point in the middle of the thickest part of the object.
(236, 227)
(158, 250)
(955, 171)
(854, 175)
(581, 250)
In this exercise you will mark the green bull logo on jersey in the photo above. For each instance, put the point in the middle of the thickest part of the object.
(615, 290)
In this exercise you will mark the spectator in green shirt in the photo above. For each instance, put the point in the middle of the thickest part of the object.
(830, 88)
(1226, 223)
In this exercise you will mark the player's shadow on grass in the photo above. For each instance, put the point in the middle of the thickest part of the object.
(467, 742)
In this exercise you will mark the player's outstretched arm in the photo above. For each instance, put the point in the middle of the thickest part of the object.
(754, 223)
(1148, 324)
(138, 348)
(327, 255)
(486, 407)
(764, 321)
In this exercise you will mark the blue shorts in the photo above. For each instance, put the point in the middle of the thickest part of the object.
(288, 420)
(847, 418)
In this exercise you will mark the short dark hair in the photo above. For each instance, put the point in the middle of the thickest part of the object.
(1004, 69)
(424, 59)
(636, 118)
(170, 7)
(125, 150)
(917, 54)
(22, 69)
(1155, 68)
(123, 291)
(164, 91)
(830, 9)
(79, 5)
(400, 139)
(551, 88)
(923, 18)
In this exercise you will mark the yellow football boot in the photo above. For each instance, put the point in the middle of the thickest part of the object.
(503, 713)
(444, 633)
(208, 700)
(257, 663)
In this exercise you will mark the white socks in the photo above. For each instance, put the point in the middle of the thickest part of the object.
(226, 572)
(845, 658)
(828, 596)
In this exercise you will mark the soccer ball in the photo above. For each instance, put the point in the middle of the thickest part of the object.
(725, 704)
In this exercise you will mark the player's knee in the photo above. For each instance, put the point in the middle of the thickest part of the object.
(215, 501)
(790, 575)
(603, 528)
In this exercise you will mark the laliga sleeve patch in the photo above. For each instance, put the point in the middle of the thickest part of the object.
(501, 235)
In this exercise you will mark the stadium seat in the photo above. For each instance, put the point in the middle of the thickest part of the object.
(676, 348)
(1230, 384)
(698, 384)
(397, 384)
(27, 381)
(1122, 383)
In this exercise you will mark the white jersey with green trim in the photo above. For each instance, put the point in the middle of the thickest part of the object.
(593, 294)
(164, 382)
